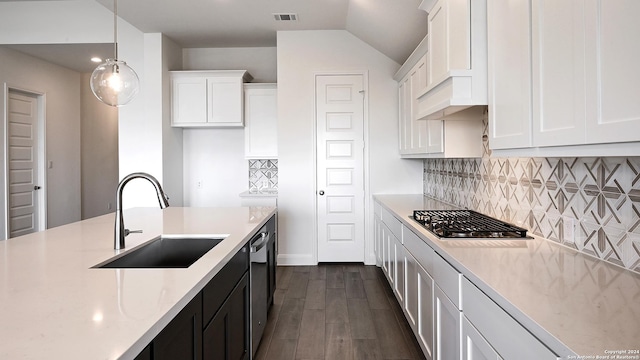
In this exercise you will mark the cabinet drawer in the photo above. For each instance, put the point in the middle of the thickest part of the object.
(510, 339)
(422, 252)
(394, 225)
(216, 291)
(448, 279)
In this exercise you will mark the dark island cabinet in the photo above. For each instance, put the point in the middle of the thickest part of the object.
(227, 336)
(215, 324)
(182, 338)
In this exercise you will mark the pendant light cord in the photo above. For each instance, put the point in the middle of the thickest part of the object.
(115, 28)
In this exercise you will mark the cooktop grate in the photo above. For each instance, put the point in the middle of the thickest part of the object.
(466, 224)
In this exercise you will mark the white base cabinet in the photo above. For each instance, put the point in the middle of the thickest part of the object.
(474, 346)
(418, 305)
(448, 327)
(449, 316)
(503, 333)
(425, 324)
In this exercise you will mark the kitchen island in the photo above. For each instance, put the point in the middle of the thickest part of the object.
(55, 305)
(577, 306)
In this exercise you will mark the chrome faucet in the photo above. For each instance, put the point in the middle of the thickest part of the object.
(120, 231)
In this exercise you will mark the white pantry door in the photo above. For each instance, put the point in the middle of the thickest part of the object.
(340, 167)
(22, 164)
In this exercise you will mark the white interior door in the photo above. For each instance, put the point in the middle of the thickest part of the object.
(340, 167)
(22, 164)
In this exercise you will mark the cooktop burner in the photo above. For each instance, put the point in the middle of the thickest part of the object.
(462, 224)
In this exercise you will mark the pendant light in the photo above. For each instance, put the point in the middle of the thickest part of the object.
(114, 82)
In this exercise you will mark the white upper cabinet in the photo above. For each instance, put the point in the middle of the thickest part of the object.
(413, 132)
(458, 136)
(457, 57)
(509, 45)
(207, 98)
(562, 75)
(261, 121)
(558, 60)
(613, 82)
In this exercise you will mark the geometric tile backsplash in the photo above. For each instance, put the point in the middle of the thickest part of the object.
(263, 174)
(589, 204)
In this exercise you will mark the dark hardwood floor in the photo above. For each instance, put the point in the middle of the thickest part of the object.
(335, 312)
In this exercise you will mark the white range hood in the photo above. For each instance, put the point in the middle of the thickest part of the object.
(456, 57)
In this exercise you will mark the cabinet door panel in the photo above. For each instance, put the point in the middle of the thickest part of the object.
(378, 240)
(559, 108)
(189, 102)
(182, 338)
(411, 291)
(261, 127)
(399, 282)
(418, 127)
(425, 312)
(438, 44)
(447, 327)
(227, 336)
(224, 101)
(435, 137)
(614, 74)
(474, 346)
(404, 102)
(509, 54)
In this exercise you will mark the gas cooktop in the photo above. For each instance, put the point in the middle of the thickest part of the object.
(467, 224)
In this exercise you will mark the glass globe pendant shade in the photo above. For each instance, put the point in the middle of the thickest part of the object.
(114, 82)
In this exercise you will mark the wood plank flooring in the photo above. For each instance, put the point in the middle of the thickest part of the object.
(336, 311)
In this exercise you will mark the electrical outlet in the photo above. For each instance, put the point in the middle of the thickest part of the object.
(199, 184)
(109, 206)
(568, 229)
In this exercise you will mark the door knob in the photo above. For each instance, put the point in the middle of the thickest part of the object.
(37, 187)
(321, 192)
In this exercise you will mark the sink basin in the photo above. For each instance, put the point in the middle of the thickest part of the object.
(164, 252)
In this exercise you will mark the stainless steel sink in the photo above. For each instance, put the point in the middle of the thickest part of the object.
(164, 252)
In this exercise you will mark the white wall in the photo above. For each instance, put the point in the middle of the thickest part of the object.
(259, 61)
(140, 128)
(172, 137)
(215, 157)
(61, 88)
(99, 149)
(302, 54)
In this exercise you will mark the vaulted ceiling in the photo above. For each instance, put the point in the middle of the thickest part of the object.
(393, 27)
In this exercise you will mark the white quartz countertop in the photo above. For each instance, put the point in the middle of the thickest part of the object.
(54, 305)
(574, 303)
(260, 193)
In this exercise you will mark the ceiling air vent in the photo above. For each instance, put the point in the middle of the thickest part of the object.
(286, 17)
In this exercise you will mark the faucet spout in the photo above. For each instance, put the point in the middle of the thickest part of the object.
(120, 231)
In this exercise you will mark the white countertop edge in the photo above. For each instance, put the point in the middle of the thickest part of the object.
(549, 340)
(259, 194)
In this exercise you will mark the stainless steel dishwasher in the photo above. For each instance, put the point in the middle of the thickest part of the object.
(259, 286)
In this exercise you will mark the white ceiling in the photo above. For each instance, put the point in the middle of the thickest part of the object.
(393, 27)
(72, 56)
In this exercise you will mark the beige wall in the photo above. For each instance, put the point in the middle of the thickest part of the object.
(99, 160)
(61, 89)
(301, 55)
